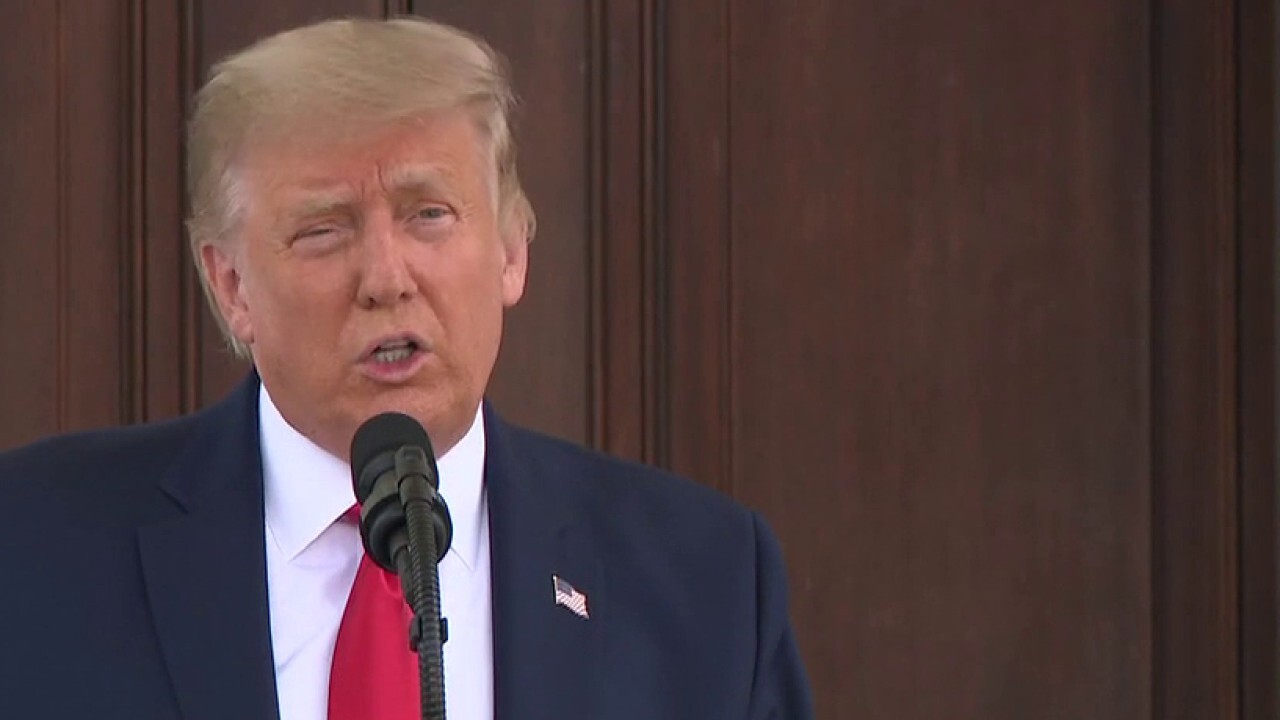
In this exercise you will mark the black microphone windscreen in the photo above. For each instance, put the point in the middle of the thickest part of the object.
(385, 433)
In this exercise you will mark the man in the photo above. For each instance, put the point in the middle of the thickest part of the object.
(360, 228)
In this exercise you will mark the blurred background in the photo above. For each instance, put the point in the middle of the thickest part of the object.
(974, 300)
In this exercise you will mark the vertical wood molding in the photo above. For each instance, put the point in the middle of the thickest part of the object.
(133, 361)
(1195, 384)
(158, 364)
(1257, 33)
(627, 230)
(698, 256)
(191, 59)
(62, 375)
(597, 29)
(620, 140)
(655, 267)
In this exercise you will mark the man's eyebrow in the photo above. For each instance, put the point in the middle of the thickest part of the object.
(318, 203)
(419, 177)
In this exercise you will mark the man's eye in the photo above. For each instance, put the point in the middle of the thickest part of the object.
(315, 232)
(433, 212)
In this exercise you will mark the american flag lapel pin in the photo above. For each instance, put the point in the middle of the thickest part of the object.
(569, 596)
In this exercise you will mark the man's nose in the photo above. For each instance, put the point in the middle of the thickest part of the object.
(385, 278)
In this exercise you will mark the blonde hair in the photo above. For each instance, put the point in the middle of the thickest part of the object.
(340, 78)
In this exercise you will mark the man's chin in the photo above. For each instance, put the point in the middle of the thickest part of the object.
(445, 421)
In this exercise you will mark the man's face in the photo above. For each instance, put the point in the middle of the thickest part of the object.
(372, 276)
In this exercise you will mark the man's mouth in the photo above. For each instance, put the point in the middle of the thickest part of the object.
(394, 351)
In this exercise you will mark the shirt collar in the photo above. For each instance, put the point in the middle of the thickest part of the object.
(306, 488)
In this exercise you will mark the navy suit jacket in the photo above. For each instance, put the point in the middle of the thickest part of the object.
(135, 582)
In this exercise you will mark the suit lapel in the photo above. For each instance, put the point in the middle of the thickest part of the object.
(205, 570)
(545, 656)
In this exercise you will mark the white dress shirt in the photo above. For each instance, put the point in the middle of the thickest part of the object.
(312, 559)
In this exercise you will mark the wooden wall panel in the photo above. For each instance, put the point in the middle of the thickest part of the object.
(60, 197)
(1259, 208)
(1195, 312)
(699, 207)
(30, 303)
(938, 317)
(542, 377)
(93, 219)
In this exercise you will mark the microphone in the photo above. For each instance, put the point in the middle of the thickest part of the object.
(406, 529)
(387, 450)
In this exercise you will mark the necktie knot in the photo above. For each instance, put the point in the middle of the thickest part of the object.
(352, 515)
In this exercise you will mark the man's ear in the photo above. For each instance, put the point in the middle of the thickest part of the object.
(226, 284)
(515, 260)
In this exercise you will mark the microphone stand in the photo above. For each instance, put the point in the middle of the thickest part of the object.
(417, 565)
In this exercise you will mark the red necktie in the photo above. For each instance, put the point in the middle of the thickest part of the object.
(374, 674)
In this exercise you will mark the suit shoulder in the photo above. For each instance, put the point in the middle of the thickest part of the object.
(82, 458)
